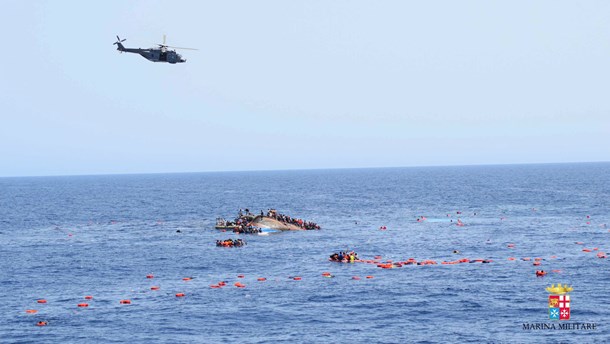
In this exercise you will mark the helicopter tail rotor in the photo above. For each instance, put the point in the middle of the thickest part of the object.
(119, 44)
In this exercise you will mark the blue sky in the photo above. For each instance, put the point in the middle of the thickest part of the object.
(302, 84)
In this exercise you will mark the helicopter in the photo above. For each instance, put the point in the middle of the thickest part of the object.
(161, 54)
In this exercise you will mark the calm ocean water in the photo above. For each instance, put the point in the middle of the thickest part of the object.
(66, 237)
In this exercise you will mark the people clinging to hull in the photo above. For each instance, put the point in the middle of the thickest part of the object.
(242, 229)
(272, 213)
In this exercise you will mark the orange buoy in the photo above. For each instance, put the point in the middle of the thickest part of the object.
(540, 273)
(83, 305)
(42, 323)
(261, 279)
(187, 278)
(154, 287)
(355, 277)
(42, 301)
(297, 278)
(326, 274)
(214, 286)
(536, 263)
(125, 302)
(31, 311)
(150, 276)
(180, 295)
(369, 277)
(239, 285)
(88, 297)
(601, 255)
(586, 250)
(240, 276)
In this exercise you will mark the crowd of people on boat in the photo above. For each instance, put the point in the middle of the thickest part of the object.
(238, 226)
(344, 257)
(230, 243)
(221, 222)
(244, 213)
(243, 229)
(287, 219)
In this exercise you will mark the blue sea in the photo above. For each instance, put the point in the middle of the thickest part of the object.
(63, 238)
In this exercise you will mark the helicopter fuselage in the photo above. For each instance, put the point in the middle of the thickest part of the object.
(155, 55)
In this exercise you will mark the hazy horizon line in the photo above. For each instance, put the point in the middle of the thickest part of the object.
(301, 169)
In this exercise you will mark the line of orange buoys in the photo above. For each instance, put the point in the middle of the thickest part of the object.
(218, 285)
(389, 264)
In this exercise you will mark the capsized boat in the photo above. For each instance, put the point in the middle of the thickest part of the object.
(265, 222)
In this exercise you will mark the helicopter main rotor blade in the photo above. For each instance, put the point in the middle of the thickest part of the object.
(163, 39)
(169, 46)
